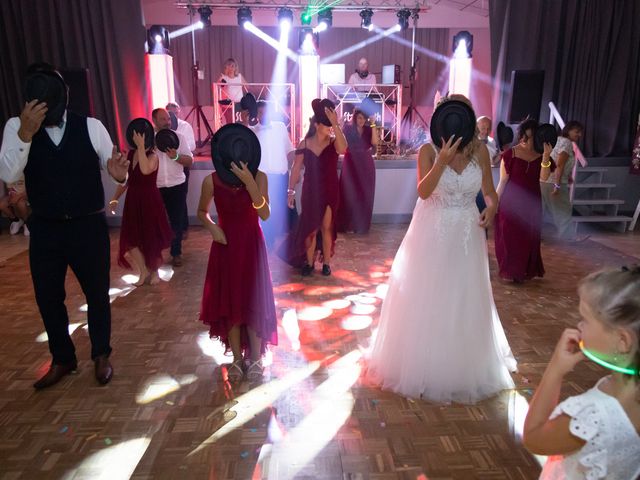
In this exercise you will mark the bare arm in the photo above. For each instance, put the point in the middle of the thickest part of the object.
(296, 169)
(206, 197)
(340, 141)
(113, 204)
(375, 136)
(256, 187)
(504, 179)
(553, 437)
(560, 164)
(488, 190)
(430, 170)
(147, 163)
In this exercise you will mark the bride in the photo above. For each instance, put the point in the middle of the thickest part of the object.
(439, 335)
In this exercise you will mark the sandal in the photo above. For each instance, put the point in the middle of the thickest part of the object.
(255, 371)
(235, 371)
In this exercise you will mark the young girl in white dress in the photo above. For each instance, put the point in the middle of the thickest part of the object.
(439, 335)
(596, 434)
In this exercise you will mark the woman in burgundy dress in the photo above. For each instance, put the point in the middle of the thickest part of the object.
(519, 219)
(145, 230)
(358, 177)
(237, 302)
(316, 228)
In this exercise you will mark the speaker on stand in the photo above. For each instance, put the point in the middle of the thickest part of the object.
(526, 95)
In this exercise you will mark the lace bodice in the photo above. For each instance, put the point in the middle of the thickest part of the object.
(452, 204)
(612, 450)
(458, 190)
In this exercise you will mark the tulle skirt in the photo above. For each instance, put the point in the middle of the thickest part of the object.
(439, 336)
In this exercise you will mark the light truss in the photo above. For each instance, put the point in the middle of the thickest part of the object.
(345, 6)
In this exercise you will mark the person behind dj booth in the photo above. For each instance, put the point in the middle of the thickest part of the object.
(362, 75)
(61, 154)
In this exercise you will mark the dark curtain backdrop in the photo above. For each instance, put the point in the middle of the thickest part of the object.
(105, 36)
(590, 51)
(256, 58)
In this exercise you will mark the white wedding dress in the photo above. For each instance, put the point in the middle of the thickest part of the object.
(439, 336)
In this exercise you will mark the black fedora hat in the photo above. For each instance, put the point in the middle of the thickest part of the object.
(140, 125)
(166, 139)
(49, 87)
(545, 133)
(453, 117)
(234, 143)
(504, 136)
(318, 107)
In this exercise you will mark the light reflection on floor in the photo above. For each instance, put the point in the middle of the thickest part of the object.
(114, 462)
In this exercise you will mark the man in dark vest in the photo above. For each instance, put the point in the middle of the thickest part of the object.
(61, 154)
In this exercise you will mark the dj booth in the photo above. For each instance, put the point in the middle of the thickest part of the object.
(281, 98)
(385, 101)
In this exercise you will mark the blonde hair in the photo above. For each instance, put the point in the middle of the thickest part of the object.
(470, 149)
(231, 61)
(614, 296)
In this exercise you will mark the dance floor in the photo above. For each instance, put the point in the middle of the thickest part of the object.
(167, 414)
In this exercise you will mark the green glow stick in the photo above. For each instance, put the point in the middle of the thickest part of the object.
(605, 364)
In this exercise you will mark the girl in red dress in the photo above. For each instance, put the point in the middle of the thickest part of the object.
(318, 154)
(145, 230)
(237, 302)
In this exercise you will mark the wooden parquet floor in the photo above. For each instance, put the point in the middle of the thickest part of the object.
(168, 415)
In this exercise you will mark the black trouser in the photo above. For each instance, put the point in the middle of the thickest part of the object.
(175, 203)
(185, 217)
(82, 244)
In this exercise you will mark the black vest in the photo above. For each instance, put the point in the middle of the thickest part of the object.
(64, 181)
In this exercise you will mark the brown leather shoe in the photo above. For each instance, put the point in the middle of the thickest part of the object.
(104, 370)
(55, 374)
(177, 261)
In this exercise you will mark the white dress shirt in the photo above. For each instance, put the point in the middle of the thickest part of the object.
(186, 130)
(14, 153)
(170, 172)
(275, 145)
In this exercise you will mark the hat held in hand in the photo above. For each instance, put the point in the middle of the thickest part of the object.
(234, 143)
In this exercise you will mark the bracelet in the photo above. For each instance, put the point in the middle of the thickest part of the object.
(291, 191)
(177, 157)
(546, 165)
(113, 201)
(264, 200)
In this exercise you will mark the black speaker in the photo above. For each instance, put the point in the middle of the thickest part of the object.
(80, 97)
(526, 95)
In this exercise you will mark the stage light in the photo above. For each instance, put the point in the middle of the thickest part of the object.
(157, 40)
(244, 16)
(325, 19)
(305, 18)
(366, 15)
(309, 41)
(285, 18)
(403, 18)
(205, 15)
(462, 44)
